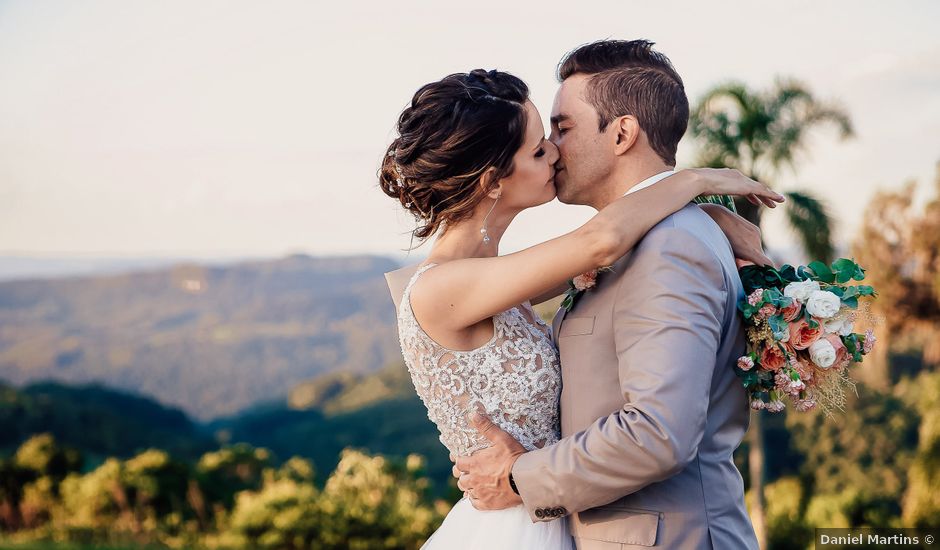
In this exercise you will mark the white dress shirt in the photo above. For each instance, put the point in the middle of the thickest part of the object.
(650, 181)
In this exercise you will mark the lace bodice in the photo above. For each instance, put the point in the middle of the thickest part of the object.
(514, 378)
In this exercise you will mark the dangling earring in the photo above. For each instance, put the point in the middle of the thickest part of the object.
(486, 237)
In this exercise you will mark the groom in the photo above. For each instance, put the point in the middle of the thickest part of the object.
(651, 410)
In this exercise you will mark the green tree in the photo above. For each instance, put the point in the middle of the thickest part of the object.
(900, 247)
(283, 513)
(372, 502)
(760, 133)
(921, 502)
(221, 474)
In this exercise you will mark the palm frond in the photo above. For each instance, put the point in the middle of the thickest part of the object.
(810, 220)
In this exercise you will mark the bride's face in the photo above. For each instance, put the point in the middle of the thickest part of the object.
(533, 179)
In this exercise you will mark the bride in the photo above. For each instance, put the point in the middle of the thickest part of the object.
(471, 155)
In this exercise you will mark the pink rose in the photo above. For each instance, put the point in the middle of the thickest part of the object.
(585, 280)
(782, 381)
(842, 354)
(745, 363)
(805, 370)
(772, 358)
(766, 311)
(802, 336)
(791, 312)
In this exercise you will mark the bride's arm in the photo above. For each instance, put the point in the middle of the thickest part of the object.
(553, 293)
(744, 236)
(461, 293)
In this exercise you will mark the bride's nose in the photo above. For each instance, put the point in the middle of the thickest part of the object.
(552, 152)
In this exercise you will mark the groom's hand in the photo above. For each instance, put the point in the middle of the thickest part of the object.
(484, 476)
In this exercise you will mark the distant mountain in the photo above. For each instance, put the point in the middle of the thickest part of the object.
(211, 340)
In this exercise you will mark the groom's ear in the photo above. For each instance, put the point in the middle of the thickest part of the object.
(626, 130)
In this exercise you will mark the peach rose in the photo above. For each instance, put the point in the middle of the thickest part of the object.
(585, 280)
(772, 358)
(802, 336)
(791, 312)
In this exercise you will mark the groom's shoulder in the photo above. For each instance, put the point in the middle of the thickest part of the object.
(689, 232)
(689, 223)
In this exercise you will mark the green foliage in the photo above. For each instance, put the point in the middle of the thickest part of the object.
(785, 522)
(922, 500)
(367, 502)
(723, 200)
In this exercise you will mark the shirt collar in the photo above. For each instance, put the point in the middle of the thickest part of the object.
(650, 181)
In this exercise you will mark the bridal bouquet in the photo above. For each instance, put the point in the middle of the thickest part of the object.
(799, 325)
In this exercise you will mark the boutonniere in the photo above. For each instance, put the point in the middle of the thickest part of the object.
(579, 284)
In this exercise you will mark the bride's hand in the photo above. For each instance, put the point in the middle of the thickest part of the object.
(727, 181)
(744, 236)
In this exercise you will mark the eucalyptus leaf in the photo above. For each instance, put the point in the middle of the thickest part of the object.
(822, 271)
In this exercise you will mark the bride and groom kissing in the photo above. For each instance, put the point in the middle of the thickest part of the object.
(614, 428)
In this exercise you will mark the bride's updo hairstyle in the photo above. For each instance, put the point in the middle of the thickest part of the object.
(450, 134)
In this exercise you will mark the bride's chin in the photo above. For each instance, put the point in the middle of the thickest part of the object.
(549, 199)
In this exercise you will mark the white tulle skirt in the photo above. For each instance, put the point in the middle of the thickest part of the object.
(466, 528)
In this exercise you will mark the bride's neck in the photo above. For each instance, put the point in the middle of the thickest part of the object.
(465, 239)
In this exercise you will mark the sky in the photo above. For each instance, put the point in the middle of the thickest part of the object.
(232, 128)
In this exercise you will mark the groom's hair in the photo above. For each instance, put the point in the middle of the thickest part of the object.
(628, 77)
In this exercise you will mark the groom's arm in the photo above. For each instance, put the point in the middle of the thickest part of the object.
(667, 329)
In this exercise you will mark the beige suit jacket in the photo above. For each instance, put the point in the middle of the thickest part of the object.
(651, 410)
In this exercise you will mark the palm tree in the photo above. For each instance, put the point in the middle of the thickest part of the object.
(761, 132)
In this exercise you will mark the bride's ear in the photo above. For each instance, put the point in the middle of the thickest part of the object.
(487, 182)
(626, 130)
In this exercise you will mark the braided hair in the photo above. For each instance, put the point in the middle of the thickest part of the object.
(449, 135)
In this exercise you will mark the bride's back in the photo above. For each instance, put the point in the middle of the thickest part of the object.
(514, 377)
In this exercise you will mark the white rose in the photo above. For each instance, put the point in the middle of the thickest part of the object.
(823, 304)
(801, 290)
(842, 324)
(822, 353)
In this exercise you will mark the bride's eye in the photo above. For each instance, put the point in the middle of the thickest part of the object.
(540, 152)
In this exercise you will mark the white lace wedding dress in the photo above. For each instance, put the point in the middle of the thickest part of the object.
(515, 379)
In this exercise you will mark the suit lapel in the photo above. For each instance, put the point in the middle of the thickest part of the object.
(556, 324)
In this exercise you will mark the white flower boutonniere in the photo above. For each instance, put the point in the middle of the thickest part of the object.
(579, 284)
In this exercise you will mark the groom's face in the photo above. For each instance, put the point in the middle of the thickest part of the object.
(585, 157)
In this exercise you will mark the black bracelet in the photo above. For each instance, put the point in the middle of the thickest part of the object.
(512, 484)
